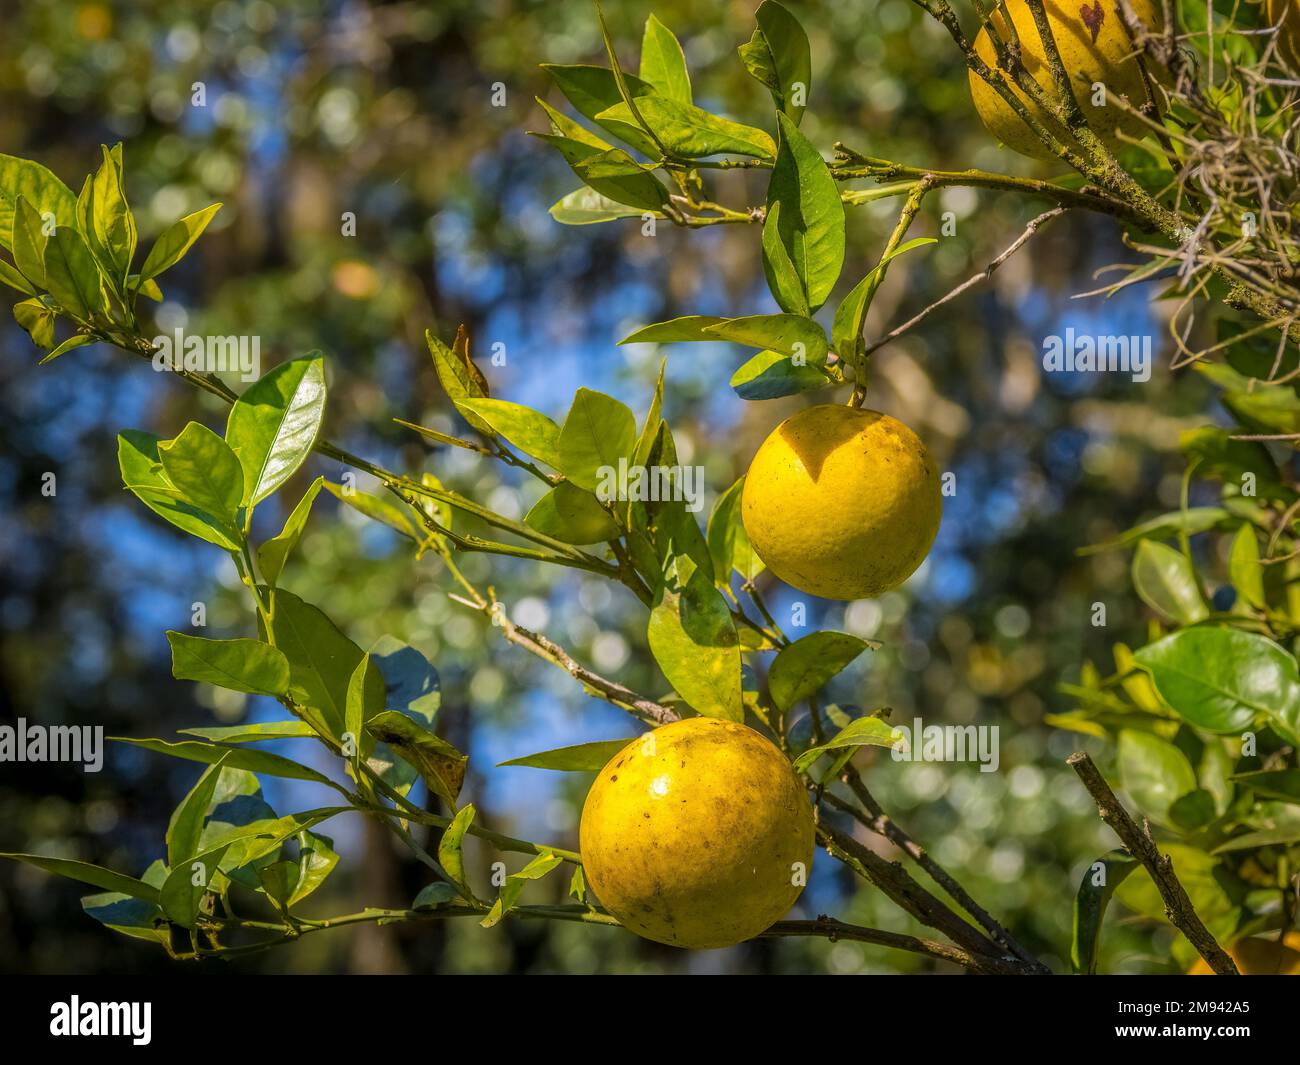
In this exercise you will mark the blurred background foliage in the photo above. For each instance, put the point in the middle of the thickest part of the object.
(314, 109)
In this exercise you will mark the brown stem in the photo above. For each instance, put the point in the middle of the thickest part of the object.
(1178, 907)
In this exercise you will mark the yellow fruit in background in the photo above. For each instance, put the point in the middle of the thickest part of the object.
(1260, 956)
(842, 503)
(697, 834)
(1286, 12)
(1094, 46)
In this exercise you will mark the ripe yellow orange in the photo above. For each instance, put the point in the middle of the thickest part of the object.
(1260, 956)
(697, 835)
(842, 503)
(1095, 49)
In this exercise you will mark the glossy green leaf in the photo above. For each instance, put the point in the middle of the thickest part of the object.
(460, 378)
(253, 761)
(571, 514)
(451, 849)
(10, 276)
(71, 274)
(586, 206)
(73, 342)
(1218, 679)
(377, 508)
(205, 471)
(786, 285)
(86, 873)
(1154, 772)
(365, 699)
(253, 732)
(113, 233)
(186, 825)
(530, 431)
(1192, 521)
(811, 224)
(580, 758)
(1200, 875)
(851, 314)
(865, 731)
(593, 89)
(803, 668)
(125, 915)
(321, 658)
(273, 426)
(728, 542)
(613, 174)
(37, 319)
(29, 242)
(1244, 567)
(788, 334)
(1167, 583)
(45, 192)
(183, 890)
(693, 638)
(175, 242)
(1090, 903)
(1280, 784)
(142, 474)
(771, 375)
(241, 665)
(691, 327)
(597, 432)
(272, 555)
(692, 132)
(779, 56)
(431, 896)
(316, 860)
(663, 63)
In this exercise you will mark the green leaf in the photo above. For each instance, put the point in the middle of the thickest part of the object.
(1280, 784)
(1155, 773)
(321, 659)
(593, 89)
(514, 885)
(460, 378)
(412, 686)
(273, 554)
(431, 896)
(241, 665)
(811, 224)
(693, 638)
(84, 872)
(1200, 875)
(29, 242)
(175, 242)
(530, 431)
(1192, 521)
(804, 667)
(71, 274)
(112, 234)
(1232, 461)
(451, 850)
(580, 758)
(851, 315)
(771, 375)
(728, 542)
(573, 515)
(128, 916)
(142, 474)
(663, 63)
(1094, 895)
(563, 125)
(1244, 567)
(691, 327)
(1219, 679)
(253, 761)
(273, 426)
(612, 173)
(654, 418)
(253, 732)
(37, 319)
(597, 432)
(45, 192)
(316, 860)
(861, 732)
(779, 56)
(376, 508)
(692, 132)
(183, 890)
(11, 277)
(1167, 583)
(366, 697)
(78, 341)
(787, 288)
(205, 471)
(186, 825)
(788, 334)
(586, 206)
(438, 762)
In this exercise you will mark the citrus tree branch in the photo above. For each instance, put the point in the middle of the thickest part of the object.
(1138, 842)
